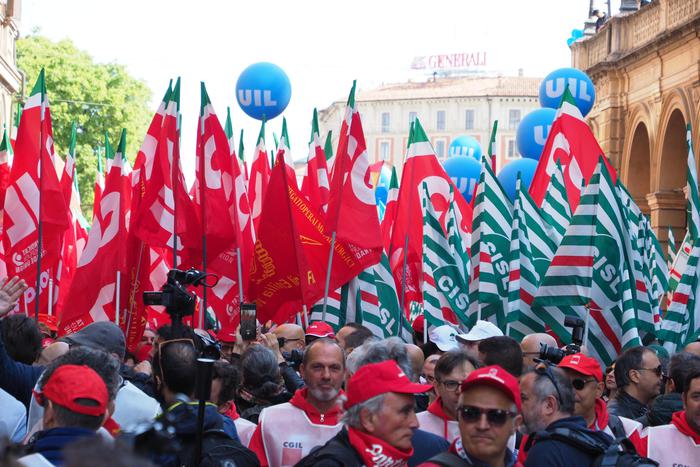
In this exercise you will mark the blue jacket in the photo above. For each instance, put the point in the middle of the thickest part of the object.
(50, 443)
(555, 453)
(17, 379)
(425, 446)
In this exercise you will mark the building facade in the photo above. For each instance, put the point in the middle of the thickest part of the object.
(446, 107)
(646, 69)
(10, 78)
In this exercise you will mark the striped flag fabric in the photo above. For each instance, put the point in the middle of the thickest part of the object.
(523, 277)
(542, 237)
(444, 290)
(491, 228)
(590, 276)
(315, 185)
(693, 205)
(459, 243)
(671, 250)
(391, 320)
(392, 198)
(681, 324)
(556, 211)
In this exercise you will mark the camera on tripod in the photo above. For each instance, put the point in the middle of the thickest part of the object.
(555, 355)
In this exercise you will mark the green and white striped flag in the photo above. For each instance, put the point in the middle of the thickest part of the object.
(444, 289)
(681, 324)
(693, 206)
(523, 276)
(556, 211)
(542, 237)
(228, 130)
(491, 226)
(459, 245)
(335, 309)
(671, 252)
(591, 271)
(391, 320)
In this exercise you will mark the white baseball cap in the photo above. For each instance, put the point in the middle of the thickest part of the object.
(481, 330)
(444, 337)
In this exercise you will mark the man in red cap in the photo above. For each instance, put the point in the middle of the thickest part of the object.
(586, 377)
(318, 329)
(488, 416)
(74, 398)
(379, 420)
(288, 432)
(677, 443)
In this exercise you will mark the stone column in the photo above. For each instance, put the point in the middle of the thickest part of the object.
(667, 208)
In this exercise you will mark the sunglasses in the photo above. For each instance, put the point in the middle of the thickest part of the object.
(579, 383)
(495, 417)
(658, 371)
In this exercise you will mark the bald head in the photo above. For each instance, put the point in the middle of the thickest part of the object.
(531, 346)
(293, 335)
(52, 351)
(415, 355)
(693, 347)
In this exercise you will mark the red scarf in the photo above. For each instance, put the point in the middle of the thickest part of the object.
(601, 415)
(112, 427)
(232, 412)
(375, 452)
(680, 422)
(436, 409)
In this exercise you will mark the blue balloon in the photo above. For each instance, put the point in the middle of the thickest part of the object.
(381, 192)
(464, 172)
(570, 41)
(580, 85)
(533, 131)
(508, 175)
(263, 90)
(577, 33)
(465, 146)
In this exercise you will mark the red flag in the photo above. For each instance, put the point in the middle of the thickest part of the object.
(352, 209)
(571, 142)
(34, 178)
(315, 185)
(421, 166)
(259, 178)
(94, 290)
(166, 215)
(291, 253)
(390, 210)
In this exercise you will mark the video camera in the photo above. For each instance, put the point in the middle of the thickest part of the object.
(555, 355)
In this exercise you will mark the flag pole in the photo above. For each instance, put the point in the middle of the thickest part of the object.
(116, 311)
(240, 274)
(425, 327)
(203, 213)
(305, 314)
(403, 272)
(328, 278)
(587, 306)
(40, 226)
(132, 291)
(50, 295)
(492, 153)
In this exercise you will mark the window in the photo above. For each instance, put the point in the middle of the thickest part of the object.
(386, 122)
(440, 148)
(412, 117)
(513, 118)
(469, 119)
(384, 151)
(441, 120)
(512, 151)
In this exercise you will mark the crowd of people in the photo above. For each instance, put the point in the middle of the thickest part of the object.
(304, 397)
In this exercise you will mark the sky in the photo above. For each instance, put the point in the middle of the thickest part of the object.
(321, 45)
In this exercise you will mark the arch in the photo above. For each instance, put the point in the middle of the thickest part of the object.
(637, 168)
(673, 153)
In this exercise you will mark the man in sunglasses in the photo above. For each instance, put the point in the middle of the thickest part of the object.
(586, 378)
(441, 417)
(638, 375)
(291, 337)
(488, 415)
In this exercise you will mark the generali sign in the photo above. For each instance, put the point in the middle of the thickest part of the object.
(450, 61)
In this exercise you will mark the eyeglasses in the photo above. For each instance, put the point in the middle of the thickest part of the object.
(547, 371)
(450, 384)
(495, 417)
(579, 383)
(658, 371)
(283, 340)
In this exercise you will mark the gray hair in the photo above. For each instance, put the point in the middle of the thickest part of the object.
(392, 348)
(351, 417)
(544, 387)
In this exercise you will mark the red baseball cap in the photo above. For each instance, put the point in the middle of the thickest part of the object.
(583, 364)
(227, 336)
(70, 383)
(50, 321)
(418, 324)
(320, 329)
(375, 379)
(498, 378)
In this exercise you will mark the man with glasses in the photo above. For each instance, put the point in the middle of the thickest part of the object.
(441, 417)
(586, 378)
(488, 415)
(290, 336)
(638, 375)
(547, 407)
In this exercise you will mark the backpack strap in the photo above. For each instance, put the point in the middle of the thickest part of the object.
(579, 440)
(448, 459)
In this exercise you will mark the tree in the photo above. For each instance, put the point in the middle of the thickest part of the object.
(98, 97)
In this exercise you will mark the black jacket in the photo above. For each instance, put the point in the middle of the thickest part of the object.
(625, 405)
(662, 409)
(555, 453)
